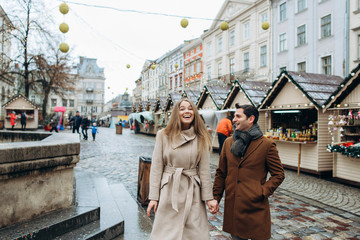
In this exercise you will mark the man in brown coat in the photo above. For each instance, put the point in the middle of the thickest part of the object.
(244, 163)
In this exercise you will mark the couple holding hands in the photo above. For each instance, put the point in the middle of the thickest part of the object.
(180, 179)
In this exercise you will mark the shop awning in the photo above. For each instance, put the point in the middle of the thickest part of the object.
(147, 115)
(135, 116)
(209, 118)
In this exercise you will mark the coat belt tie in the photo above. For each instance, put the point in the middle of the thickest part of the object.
(176, 174)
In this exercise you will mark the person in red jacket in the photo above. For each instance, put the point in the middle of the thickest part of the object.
(13, 119)
(224, 129)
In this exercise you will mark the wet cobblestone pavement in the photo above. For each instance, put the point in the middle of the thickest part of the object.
(304, 207)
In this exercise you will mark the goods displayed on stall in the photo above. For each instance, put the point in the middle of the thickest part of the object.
(294, 125)
(347, 126)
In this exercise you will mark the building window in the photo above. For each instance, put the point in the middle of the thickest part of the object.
(232, 38)
(263, 56)
(53, 102)
(301, 67)
(191, 69)
(94, 109)
(358, 4)
(300, 5)
(71, 103)
(264, 18)
(220, 69)
(232, 66)
(209, 49)
(84, 109)
(326, 26)
(64, 101)
(180, 80)
(209, 72)
(282, 42)
(326, 65)
(282, 11)
(246, 61)
(246, 31)
(282, 69)
(220, 45)
(301, 35)
(198, 67)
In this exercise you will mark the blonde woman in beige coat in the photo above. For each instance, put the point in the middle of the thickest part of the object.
(180, 181)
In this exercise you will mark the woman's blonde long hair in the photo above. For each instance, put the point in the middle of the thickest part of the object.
(173, 127)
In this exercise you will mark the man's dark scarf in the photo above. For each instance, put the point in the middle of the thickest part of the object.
(243, 138)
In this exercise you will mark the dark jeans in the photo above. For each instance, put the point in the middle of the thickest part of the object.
(221, 138)
(23, 126)
(84, 132)
(76, 128)
(54, 128)
(93, 134)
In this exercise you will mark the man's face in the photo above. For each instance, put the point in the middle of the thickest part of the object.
(77, 114)
(241, 121)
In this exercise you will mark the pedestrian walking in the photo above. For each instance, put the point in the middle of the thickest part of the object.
(13, 118)
(94, 130)
(23, 120)
(180, 162)
(244, 163)
(224, 129)
(85, 123)
(77, 119)
(54, 123)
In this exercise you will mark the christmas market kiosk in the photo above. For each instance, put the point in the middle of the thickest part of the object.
(344, 128)
(295, 121)
(211, 100)
(246, 92)
(21, 104)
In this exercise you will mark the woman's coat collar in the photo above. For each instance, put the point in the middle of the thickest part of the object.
(184, 137)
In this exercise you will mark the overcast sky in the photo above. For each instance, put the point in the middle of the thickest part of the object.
(117, 38)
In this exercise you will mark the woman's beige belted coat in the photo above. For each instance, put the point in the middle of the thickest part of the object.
(180, 180)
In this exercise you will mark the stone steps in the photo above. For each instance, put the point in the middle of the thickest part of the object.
(53, 224)
(95, 215)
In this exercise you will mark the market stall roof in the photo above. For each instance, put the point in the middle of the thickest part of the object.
(317, 88)
(136, 106)
(217, 93)
(172, 98)
(146, 115)
(159, 104)
(150, 104)
(254, 91)
(29, 106)
(193, 95)
(345, 88)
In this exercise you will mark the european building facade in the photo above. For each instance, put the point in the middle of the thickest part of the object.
(309, 36)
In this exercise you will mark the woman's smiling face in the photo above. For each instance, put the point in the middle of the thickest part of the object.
(186, 114)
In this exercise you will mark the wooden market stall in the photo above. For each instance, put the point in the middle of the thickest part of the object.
(246, 92)
(295, 120)
(211, 100)
(20, 104)
(344, 125)
(159, 113)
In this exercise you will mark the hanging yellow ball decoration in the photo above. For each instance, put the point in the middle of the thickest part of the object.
(109, 87)
(64, 47)
(153, 66)
(184, 22)
(265, 25)
(64, 8)
(176, 65)
(128, 66)
(224, 26)
(64, 28)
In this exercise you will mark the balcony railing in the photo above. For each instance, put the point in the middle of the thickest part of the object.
(89, 90)
(89, 101)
